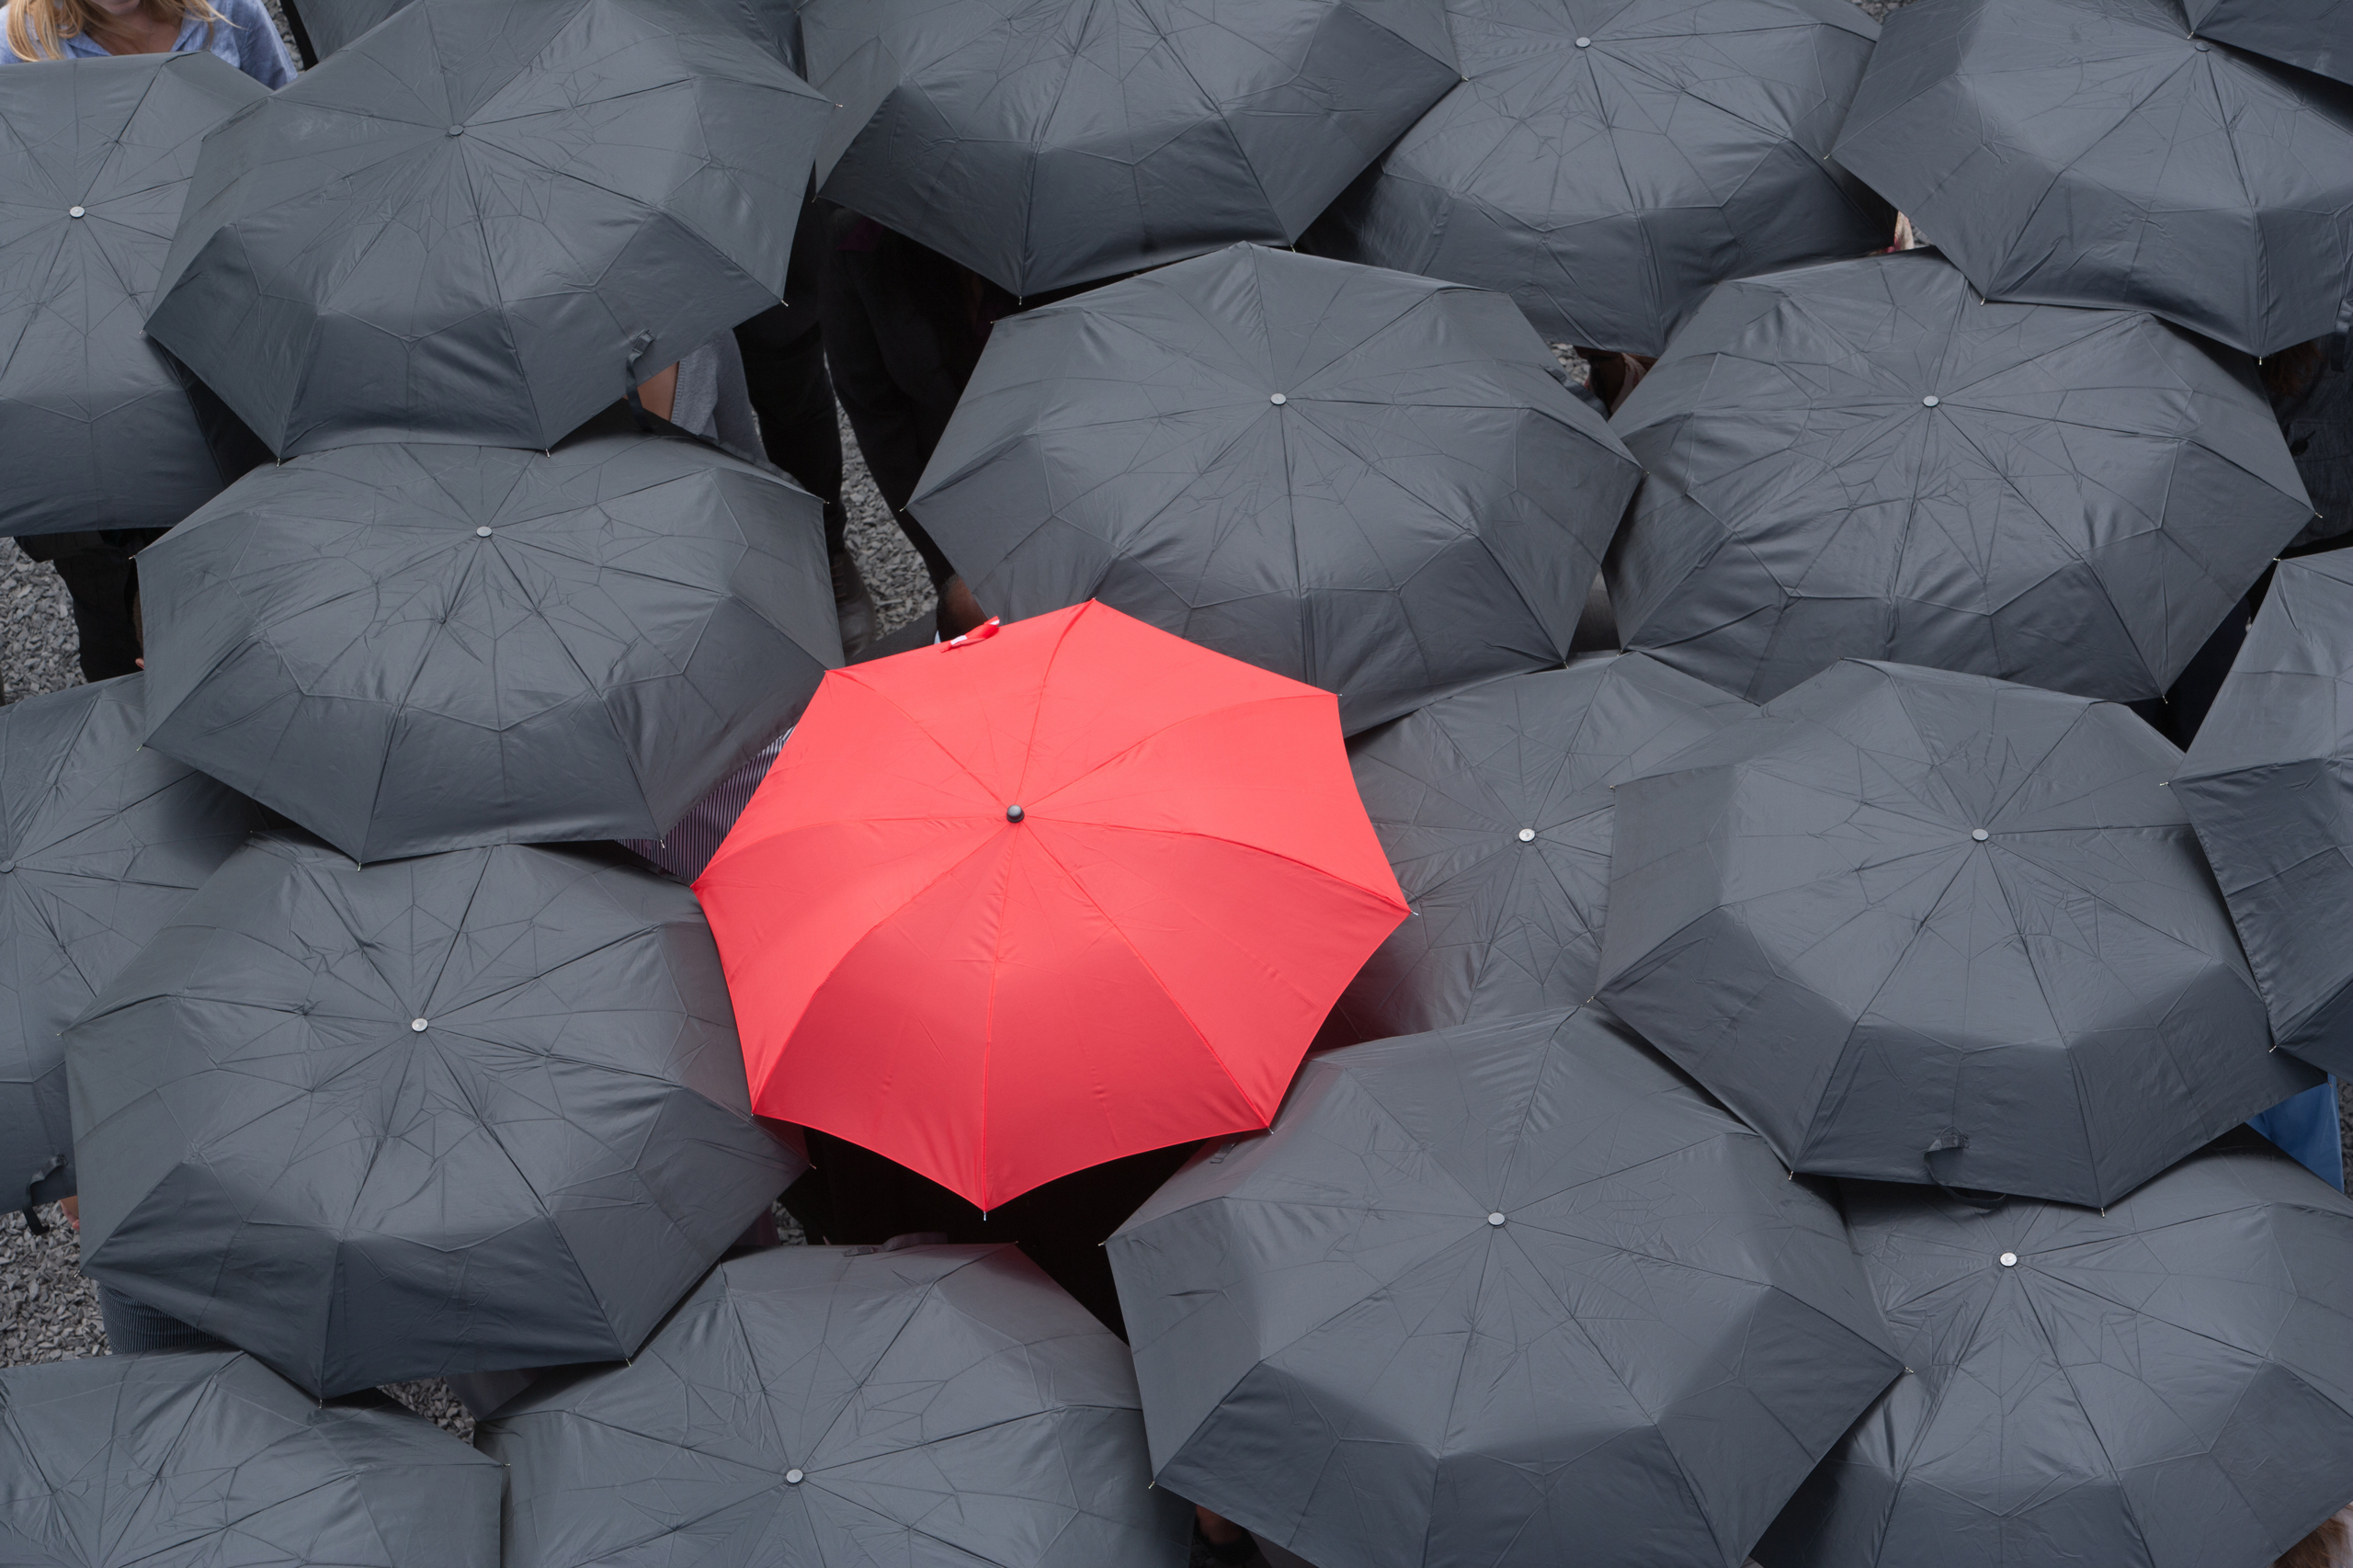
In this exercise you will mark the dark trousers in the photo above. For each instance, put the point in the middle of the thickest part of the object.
(795, 398)
(103, 583)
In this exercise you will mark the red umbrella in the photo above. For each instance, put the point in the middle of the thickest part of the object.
(1011, 906)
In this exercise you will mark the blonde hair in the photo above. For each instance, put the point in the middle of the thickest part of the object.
(38, 28)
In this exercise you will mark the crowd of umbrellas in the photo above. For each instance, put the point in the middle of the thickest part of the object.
(1778, 1073)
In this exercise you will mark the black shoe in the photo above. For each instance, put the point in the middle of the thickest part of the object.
(853, 605)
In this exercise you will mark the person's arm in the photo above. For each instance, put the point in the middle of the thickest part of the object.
(659, 391)
(261, 53)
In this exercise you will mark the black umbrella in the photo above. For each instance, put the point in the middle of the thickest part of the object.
(2164, 1385)
(842, 1407)
(1493, 806)
(1922, 926)
(1605, 161)
(100, 844)
(1365, 481)
(486, 220)
(1512, 1294)
(98, 428)
(472, 1111)
(2268, 781)
(412, 648)
(212, 1459)
(2314, 34)
(1865, 459)
(1047, 143)
(2097, 152)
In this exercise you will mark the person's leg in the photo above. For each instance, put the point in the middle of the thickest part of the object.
(795, 398)
(100, 584)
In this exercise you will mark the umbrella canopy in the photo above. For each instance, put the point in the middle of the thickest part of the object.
(1048, 142)
(1865, 459)
(1604, 160)
(98, 428)
(2268, 781)
(413, 648)
(2167, 1384)
(1495, 807)
(1921, 926)
(2314, 34)
(472, 1111)
(486, 221)
(2097, 152)
(846, 1407)
(1371, 483)
(213, 1458)
(334, 23)
(100, 844)
(1093, 892)
(1514, 1294)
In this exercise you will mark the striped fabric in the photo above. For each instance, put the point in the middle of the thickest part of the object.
(689, 845)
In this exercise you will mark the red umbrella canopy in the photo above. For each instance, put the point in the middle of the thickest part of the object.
(1015, 906)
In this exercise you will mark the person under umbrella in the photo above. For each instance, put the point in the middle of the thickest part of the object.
(498, 218)
(1920, 926)
(414, 648)
(213, 1458)
(2100, 153)
(106, 440)
(1605, 162)
(1865, 459)
(1369, 481)
(460, 1113)
(1048, 142)
(101, 842)
(1093, 892)
(1494, 808)
(846, 1407)
(1514, 1293)
(2165, 1383)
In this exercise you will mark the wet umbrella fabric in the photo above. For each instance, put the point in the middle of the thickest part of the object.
(213, 1460)
(1494, 808)
(1049, 142)
(1092, 896)
(1604, 162)
(1864, 460)
(1365, 481)
(2168, 1384)
(100, 844)
(415, 648)
(1512, 1293)
(98, 428)
(1920, 926)
(832, 1407)
(2314, 34)
(2268, 782)
(462, 1113)
(2094, 152)
(483, 223)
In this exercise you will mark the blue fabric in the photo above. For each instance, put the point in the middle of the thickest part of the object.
(244, 37)
(2305, 1127)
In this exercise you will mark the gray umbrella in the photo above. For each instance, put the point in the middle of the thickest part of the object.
(1365, 481)
(98, 428)
(2314, 34)
(173, 1462)
(1047, 143)
(334, 23)
(1922, 926)
(2094, 152)
(2165, 1384)
(416, 648)
(100, 844)
(2268, 781)
(483, 221)
(1494, 808)
(848, 1407)
(472, 1111)
(1864, 460)
(1510, 1294)
(1605, 161)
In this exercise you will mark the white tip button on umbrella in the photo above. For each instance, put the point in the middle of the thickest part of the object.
(73, 211)
(1495, 1219)
(1528, 836)
(1930, 401)
(794, 1478)
(1980, 834)
(2009, 1260)
(1278, 399)
(419, 1024)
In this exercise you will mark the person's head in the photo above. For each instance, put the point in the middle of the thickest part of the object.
(2324, 1548)
(38, 28)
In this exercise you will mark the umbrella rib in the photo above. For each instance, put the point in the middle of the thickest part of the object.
(1036, 711)
(2066, 1372)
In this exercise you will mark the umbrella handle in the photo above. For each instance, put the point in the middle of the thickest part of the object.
(1951, 1142)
